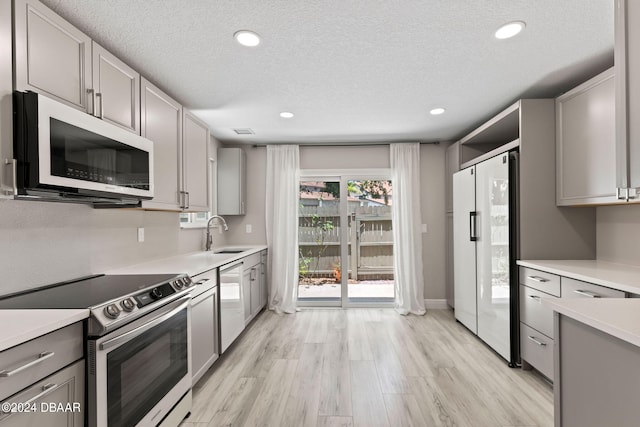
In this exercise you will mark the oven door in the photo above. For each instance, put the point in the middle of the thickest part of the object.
(140, 371)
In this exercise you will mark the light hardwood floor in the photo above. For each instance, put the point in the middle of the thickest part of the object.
(366, 367)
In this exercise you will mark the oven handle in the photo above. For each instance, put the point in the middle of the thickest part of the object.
(171, 310)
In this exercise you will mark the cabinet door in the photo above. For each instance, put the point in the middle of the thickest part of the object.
(66, 388)
(231, 185)
(161, 122)
(255, 290)
(204, 325)
(117, 88)
(195, 163)
(52, 57)
(264, 292)
(246, 294)
(627, 60)
(585, 143)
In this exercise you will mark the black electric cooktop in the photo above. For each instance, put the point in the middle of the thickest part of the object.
(84, 293)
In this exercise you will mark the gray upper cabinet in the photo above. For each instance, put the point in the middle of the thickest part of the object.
(231, 181)
(195, 162)
(6, 110)
(117, 90)
(585, 143)
(627, 64)
(161, 122)
(52, 57)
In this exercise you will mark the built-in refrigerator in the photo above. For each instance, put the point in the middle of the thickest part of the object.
(485, 246)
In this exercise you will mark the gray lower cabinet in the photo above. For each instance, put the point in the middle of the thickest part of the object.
(246, 293)
(56, 401)
(52, 57)
(204, 323)
(40, 372)
(537, 335)
(254, 284)
(536, 321)
(161, 122)
(594, 368)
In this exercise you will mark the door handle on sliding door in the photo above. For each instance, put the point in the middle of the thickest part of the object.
(473, 235)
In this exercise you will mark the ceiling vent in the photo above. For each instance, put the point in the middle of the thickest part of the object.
(245, 131)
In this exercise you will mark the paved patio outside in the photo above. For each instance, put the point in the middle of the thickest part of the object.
(362, 289)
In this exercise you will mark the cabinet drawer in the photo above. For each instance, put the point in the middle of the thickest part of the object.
(24, 364)
(251, 260)
(533, 313)
(204, 282)
(540, 280)
(65, 387)
(572, 288)
(537, 350)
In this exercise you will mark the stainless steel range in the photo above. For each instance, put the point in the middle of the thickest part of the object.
(137, 344)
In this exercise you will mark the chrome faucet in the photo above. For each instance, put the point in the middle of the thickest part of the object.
(209, 237)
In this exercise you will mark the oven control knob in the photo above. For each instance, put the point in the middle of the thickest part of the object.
(178, 284)
(187, 281)
(128, 304)
(111, 311)
(156, 293)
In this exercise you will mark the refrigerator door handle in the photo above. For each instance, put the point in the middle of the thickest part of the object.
(473, 236)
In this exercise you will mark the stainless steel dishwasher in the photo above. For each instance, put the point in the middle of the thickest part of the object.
(231, 304)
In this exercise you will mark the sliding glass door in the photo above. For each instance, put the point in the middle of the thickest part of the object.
(345, 240)
(319, 246)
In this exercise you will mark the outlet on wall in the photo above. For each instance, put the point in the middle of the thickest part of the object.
(140, 234)
(424, 228)
(247, 228)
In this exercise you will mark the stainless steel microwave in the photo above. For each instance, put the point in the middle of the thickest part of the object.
(64, 154)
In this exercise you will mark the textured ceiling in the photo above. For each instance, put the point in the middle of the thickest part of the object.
(351, 71)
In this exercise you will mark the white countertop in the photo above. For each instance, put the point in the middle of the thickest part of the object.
(618, 317)
(616, 276)
(192, 263)
(23, 325)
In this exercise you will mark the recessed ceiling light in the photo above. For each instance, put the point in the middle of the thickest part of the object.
(286, 115)
(509, 30)
(247, 38)
(437, 111)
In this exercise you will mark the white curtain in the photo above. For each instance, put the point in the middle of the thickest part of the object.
(407, 236)
(283, 171)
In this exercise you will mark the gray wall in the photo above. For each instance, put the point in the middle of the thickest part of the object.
(618, 234)
(43, 243)
(355, 157)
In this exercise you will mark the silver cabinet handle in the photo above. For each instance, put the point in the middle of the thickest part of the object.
(99, 95)
(534, 297)
(538, 279)
(201, 281)
(41, 358)
(586, 293)
(540, 343)
(45, 389)
(91, 95)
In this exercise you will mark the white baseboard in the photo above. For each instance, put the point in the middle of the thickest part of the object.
(436, 304)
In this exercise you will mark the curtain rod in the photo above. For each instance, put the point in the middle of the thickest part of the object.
(349, 144)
